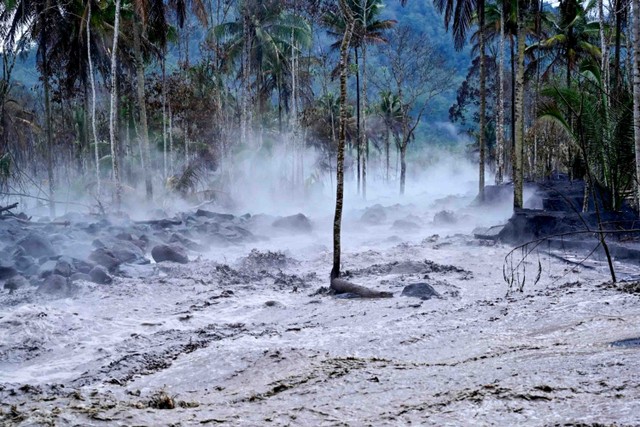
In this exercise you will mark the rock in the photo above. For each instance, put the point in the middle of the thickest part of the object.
(272, 303)
(217, 217)
(172, 253)
(374, 215)
(296, 223)
(23, 262)
(127, 252)
(100, 275)
(445, 217)
(63, 268)
(56, 285)
(424, 291)
(47, 268)
(36, 245)
(136, 271)
(16, 282)
(491, 233)
(405, 225)
(105, 258)
(80, 276)
(7, 272)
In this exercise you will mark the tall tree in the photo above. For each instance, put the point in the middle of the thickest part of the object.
(461, 14)
(113, 109)
(342, 136)
(636, 92)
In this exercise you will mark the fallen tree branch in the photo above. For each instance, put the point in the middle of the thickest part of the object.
(7, 208)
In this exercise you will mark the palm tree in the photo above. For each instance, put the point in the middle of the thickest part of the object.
(112, 109)
(390, 109)
(368, 30)
(636, 92)
(264, 33)
(460, 13)
(342, 136)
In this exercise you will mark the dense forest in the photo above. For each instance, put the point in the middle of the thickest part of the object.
(108, 97)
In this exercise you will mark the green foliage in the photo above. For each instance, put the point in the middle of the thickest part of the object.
(602, 130)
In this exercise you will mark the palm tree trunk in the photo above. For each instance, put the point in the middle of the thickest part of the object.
(358, 146)
(342, 136)
(387, 146)
(96, 149)
(483, 99)
(403, 165)
(636, 91)
(500, 106)
(363, 116)
(143, 129)
(113, 110)
(518, 177)
(246, 70)
(164, 112)
(47, 106)
(513, 108)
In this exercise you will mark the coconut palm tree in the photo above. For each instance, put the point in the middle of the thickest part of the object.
(461, 14)
(368, 29)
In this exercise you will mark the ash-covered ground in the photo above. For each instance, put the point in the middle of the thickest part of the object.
(246, 334)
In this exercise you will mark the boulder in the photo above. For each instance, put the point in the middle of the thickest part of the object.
(445, 217)
(56, 285)
(105, 258)
(100, 275)
(297, 223)
(374, 215)
(405, 225)
(7, 272)
(16, 282)
(80, 276)
(63, 268)
(424, 291)
(36, 245)
(23, 262)
(173, 253)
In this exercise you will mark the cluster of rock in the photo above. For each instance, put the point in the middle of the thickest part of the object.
(55, 255)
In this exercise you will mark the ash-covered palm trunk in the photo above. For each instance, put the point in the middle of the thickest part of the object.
(500, 106)
(113, 110)
(483, 99)
(342, 136)
(636, 91)
(96, 149)
(144, 130)
(518, 175)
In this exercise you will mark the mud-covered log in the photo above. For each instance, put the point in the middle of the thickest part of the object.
(341, 286)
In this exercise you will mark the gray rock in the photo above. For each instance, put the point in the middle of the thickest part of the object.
(63, 268)
(7, 272)
(80, 276)
(172, 253)
(374, 215)
(217, 217)
(23, 262)
(105, 258)
(424, 291)
(405, 225)
(297, 223)
(47, 268)
(36, 245)
(445, 218)
(57, 285)
(100, 275)
(16, 282)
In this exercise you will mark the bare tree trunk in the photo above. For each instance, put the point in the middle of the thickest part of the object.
(143, 129)
(164, 113)
(113, 110)
(500, 106)
(246, 86)
(403, 165)
(387, 146)
(636, 91)
(342, 136)
(96, 149)
(358, 123)
(363, 115)
(518, 177)
(483, 99)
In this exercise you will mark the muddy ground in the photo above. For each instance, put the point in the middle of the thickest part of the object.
(247, 335)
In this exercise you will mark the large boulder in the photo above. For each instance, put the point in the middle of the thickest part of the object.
(424, 291)
(105, 258)
(296, 223)
(37, 245)
(57, 285)
(173, 253)
(7, 272)
(100, 275)
(16, 282)
(374, 215)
